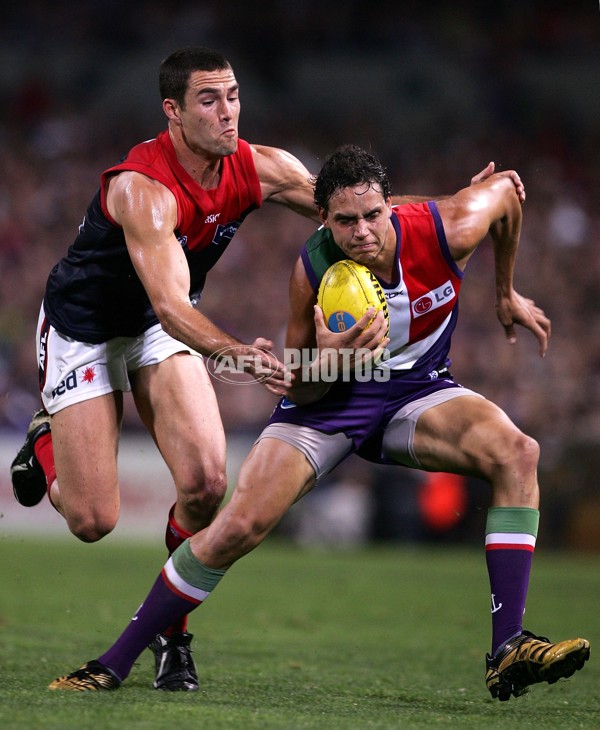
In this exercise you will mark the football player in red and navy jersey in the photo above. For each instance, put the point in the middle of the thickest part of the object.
(410, 411)
(119, 315)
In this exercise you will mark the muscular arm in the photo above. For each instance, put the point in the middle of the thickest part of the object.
(479, 177)
(147, 211)
(285, 180)
(493, 207)
(302, 299)
(469, 215)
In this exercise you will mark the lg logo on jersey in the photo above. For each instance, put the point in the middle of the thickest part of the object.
(433, 299)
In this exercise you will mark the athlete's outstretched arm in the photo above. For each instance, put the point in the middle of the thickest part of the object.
(147, 211)
(482, 175)
(493, 207)
(285, 180)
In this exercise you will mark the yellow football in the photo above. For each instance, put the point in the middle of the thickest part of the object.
(346, 291)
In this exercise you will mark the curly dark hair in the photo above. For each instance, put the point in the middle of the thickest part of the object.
(175, 70)
(348, 166)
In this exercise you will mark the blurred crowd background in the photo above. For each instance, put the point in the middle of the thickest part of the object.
(436, 90)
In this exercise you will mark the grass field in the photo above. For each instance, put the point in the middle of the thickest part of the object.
(378, 638)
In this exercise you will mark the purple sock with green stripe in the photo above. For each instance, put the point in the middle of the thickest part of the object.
(183, 584)
(510, 537)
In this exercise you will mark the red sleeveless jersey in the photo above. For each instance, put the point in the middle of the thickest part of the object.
(94, 294)
(204, 217)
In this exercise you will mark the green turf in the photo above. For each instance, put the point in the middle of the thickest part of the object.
(379, 638)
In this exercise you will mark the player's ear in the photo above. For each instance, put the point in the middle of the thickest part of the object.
(323, 217)
(171, 109)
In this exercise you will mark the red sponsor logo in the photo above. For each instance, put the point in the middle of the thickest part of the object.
(423, 305)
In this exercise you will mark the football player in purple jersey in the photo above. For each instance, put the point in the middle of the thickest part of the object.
(418, 417)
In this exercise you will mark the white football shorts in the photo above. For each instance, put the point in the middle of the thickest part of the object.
(71, 371)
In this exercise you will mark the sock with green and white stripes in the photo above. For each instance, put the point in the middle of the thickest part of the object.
(183, 584)
(510, 537)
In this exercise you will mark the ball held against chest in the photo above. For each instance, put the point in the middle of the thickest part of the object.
(346, 291)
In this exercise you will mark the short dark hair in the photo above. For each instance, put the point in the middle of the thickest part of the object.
(175, 70)
(348, 166)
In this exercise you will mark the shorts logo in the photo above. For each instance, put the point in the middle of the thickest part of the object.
(70, 382)
(88, 375)
(433, 299)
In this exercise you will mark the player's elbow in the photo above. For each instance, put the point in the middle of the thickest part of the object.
(171, 314)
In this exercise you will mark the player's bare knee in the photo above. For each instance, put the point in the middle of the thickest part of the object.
(203, 493)
(525, 454)
(90, 532)
(514, 471)
(91, 528)
(213, 490)
(512, 452)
